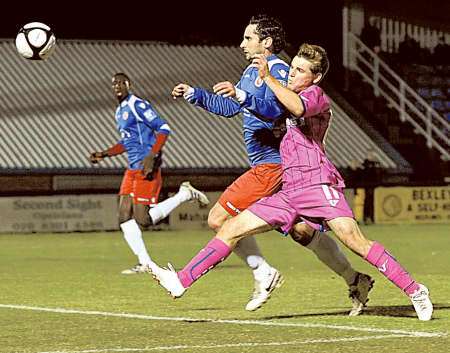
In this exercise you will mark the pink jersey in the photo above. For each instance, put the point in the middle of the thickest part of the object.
(303, 147)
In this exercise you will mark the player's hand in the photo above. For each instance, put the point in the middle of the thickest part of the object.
(96, 157)
(261, 63)
(225, 89)
(179, 90)
(148, 164)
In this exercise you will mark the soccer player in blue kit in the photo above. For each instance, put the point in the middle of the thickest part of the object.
(265, 35)
(143, 134)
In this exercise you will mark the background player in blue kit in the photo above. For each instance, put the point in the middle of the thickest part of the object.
(143, 134)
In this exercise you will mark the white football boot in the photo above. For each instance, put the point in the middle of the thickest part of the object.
(137, 269)
(422, 303)
(263, 290)
(195, 194)
(168, 279)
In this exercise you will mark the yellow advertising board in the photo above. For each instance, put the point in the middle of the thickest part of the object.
(412, 204)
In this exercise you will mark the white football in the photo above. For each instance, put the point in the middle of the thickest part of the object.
(35, 41)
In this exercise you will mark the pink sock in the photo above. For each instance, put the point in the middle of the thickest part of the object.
(389, 267)
(213, 253)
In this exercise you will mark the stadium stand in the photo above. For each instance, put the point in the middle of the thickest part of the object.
(55, 112)
(403, 89)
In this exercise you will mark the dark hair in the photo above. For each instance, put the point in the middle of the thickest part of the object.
(317, 56)
(267, 26)
(123, 75)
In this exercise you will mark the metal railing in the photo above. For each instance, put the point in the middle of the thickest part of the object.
(411, 107)
(394, 31)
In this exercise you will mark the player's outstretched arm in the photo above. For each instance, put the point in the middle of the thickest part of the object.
(209, 101)
(180, 90)
(96, 157)
(225, 89)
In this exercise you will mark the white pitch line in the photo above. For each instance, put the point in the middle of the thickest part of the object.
(219, 321)
(233, 345)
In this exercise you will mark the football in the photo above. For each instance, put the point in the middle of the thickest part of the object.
(35, 41)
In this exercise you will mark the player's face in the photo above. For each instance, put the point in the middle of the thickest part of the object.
(300, 75)
(251, 45)
(120, 86)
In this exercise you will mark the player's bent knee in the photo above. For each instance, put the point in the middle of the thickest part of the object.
(302, 239)
(214, 223)
(143, 221)
(215, 220)
(231, 231)
(302, 233)
(124, 217)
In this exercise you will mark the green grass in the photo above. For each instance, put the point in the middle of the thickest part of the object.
(81, 271)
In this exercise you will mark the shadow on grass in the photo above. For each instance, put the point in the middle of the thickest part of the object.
(388, 310)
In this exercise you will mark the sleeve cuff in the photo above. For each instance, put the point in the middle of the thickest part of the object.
(189, 94)
(241, 95)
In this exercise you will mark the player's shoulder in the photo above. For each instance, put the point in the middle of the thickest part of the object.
(275, 61)
(313, 90)
(140, 103)
(315, 93)
(278, 67)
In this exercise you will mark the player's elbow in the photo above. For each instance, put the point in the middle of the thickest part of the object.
(297, 111)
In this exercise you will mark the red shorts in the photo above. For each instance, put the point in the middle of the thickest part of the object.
(260, 181)
(142, 190)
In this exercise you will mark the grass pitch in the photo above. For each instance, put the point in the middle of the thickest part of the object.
(65, 293)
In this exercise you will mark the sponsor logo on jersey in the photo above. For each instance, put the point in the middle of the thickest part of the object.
(150, 114)
(259, 82)
(282, 73)
(124, 134)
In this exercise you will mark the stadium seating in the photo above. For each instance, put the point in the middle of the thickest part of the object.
(67, 107)
(432, 83)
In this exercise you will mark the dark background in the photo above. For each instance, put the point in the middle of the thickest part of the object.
(207, 22)
(212, 22)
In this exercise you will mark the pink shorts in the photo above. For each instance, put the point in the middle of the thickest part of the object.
(313, 205)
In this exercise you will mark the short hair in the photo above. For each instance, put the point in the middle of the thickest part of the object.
(267, 26)
(123, 75)
(316, 55)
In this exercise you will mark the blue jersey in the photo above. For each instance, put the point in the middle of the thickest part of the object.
(138, 123)
(253, 125)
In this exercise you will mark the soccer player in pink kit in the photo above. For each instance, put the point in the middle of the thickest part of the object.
(265, 35)
(312, 188)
